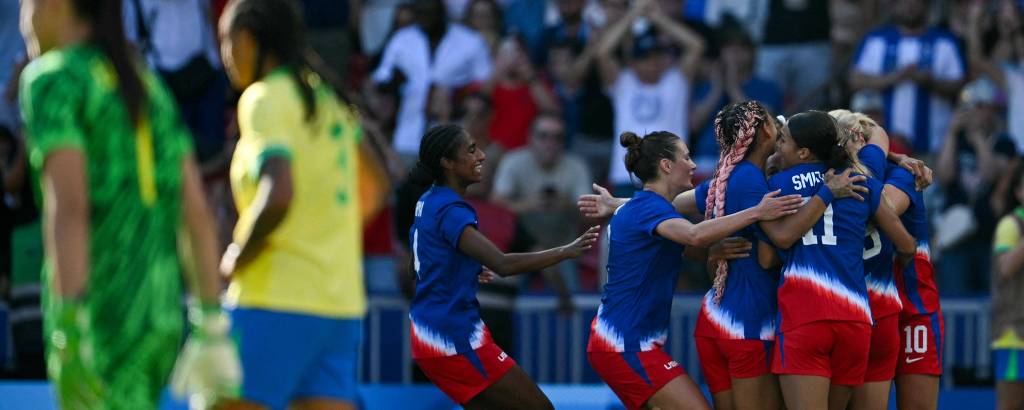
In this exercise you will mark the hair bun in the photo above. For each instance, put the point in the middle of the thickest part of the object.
(629, 140)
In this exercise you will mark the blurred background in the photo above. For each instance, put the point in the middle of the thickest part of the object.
(546, 86)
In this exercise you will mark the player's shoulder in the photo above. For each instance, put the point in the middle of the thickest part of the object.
(55, 68)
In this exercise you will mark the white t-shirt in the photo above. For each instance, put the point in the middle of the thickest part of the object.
(1014, 75)
(461, 58)
(178, 30)
(946, 64)
(643, 108)
(520, 176)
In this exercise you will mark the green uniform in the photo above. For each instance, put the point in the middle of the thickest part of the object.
(70, 100)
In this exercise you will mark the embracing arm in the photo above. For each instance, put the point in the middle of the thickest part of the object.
(706, 233)
(889, 223)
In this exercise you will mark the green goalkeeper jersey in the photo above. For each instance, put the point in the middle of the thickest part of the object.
(70, 100)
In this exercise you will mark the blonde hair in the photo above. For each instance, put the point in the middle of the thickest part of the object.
(854, 125)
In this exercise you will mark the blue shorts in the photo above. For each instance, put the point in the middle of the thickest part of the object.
(288, 356)
(1008, 365)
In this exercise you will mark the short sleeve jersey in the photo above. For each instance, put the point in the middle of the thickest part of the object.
(823, 272)
(878, 249)
(312, 262)
(642, 271)
(70, 101)
(749, 307)
(444, 312)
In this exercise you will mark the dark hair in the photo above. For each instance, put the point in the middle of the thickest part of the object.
(643, 154)
(107, 24)
(278, 29)
(818, 132)
(499, 14)
(439, 142)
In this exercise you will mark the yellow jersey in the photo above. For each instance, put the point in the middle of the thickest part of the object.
(312, 262)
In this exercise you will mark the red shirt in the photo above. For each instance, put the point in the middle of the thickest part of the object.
(514, 110)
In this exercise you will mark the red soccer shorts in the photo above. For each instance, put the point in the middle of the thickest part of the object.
(725, 359)
(635, 376)
(837, 350)
(921, 338)
(885, 349)
(457, 377)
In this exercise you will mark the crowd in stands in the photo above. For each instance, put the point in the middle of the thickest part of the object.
(546, 86)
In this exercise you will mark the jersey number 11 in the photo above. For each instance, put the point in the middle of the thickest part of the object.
(829, 238)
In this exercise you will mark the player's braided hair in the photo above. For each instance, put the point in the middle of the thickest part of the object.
(643, 154)
(439, 142)
(736, 128)
(107, 24)
(278, 28)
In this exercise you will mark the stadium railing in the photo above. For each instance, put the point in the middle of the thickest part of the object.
(551, 347)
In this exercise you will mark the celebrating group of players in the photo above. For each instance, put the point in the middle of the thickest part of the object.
(823, 291)
(817, 235)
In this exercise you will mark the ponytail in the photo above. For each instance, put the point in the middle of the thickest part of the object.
(736, 128)
(107, 24)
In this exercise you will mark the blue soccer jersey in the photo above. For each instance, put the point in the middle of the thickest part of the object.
(823, 272)
(444, 312)
(748, 309)
(915, 283)
(643, 268)
(879, 250)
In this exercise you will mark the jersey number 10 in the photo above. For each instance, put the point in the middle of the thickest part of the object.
(829, 238)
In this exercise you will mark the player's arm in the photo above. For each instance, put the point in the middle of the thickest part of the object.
(66, 220)
(200, 236)
(785, 231)
(603, 204)
(767, 256)
(889, 223)
(1008, 248)
(477, 246)
(708, 232)
(269, 207)
(896, 198)
(922, 173)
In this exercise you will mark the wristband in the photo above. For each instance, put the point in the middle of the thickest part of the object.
(825, 194)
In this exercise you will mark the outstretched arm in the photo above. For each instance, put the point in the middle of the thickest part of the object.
(476, 245)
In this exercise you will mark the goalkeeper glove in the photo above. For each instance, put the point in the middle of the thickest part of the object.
(208, 368)
(70, 359)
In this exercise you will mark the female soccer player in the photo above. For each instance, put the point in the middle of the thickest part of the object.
(449, 341)
(118, 179)
(646, 240)
(734, 332)
(908, 345)
(825, 318)
(296, 294)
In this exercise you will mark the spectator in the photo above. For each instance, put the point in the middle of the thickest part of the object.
(974, 153)
(12, 52)
(570, 27)
(919, 71)
(732, 81)
(1007, 292)
(540, 184)
(429, 60)
(517, 95)
(652, 92)
(178, 40)
(796, 52)
(526, 17)
(1002, 61)
(485, 17)
(579, 93)
(331, 31)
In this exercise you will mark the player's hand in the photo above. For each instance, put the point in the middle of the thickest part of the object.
(208, 369)
(70, 359)
(729, 249)
(922, 174)
(486, 275)
(598, 205)
(845, 185)
(583, 243)
(773, 206)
